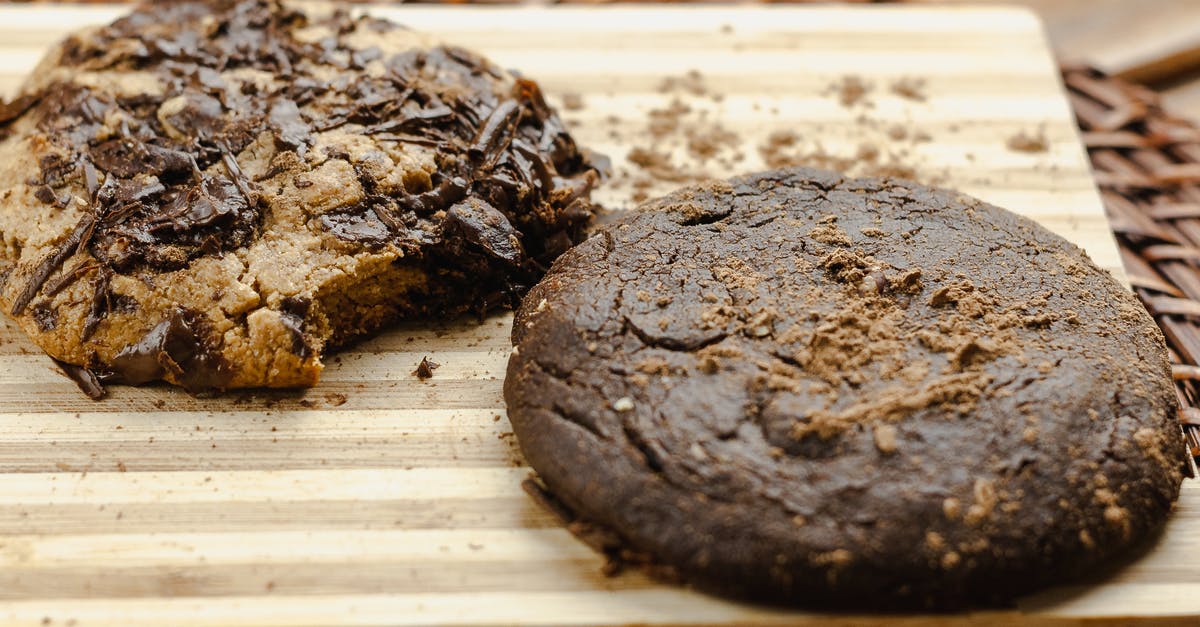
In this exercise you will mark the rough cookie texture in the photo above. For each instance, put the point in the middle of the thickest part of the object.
(851, 392)
(216, 193)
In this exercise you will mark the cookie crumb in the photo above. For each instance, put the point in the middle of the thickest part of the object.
(1029, 142)
(909, 87)
(335, 399)
(692, 82)
(885, 438)
(425, 369)
(623, 404)
(951, 508)
(572, 101)
(851, 90)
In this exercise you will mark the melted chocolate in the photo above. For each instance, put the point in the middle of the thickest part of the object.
(182, 346)
(87, 380)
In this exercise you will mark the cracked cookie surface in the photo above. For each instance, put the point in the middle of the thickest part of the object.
(216, 193)
(810, 389)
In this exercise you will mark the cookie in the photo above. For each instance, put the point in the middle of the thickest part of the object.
(858, 393)
(218, 193)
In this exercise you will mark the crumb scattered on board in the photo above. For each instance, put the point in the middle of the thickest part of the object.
(685, 140)
(1029, 142)
(425, 369)
(572, 101)
(851, 90)
(691, 82)
(909, 87)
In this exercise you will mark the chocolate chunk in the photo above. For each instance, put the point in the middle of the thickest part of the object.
(292, 132)
(129, 157)
(200, 116)
(47, 195)
(293, 310)
(13, 109)
(363, 228)
(182, 346)
(449, 191)
(214, 200)
(484, 226)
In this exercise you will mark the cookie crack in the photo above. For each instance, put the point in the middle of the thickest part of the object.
(651, 459)
(671, 344)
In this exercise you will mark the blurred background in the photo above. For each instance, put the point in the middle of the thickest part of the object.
(1152, 42)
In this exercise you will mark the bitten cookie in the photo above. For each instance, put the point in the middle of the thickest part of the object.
(862, 393)
(217, 193)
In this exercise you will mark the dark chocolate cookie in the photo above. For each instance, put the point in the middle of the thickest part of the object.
(216, 193)
(809, 389)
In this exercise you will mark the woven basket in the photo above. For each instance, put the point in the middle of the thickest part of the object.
(1147, 164)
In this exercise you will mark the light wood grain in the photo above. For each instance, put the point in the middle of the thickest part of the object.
(376, 498)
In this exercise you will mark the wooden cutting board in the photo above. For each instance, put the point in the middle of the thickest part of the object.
(378, 498)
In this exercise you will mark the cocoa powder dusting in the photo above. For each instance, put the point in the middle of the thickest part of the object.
(685, 140)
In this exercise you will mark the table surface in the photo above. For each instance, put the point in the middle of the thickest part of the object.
(378, 498)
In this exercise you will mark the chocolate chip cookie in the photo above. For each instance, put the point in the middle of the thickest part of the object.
(217, 193)
(810, 389)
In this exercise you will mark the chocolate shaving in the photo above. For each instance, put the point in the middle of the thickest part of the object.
(87, 381)
(101, 303)
(495, 135)
(52, 262)
(448, 192)
(91, 180)
(239, 179)
(415, 119)
(66, 278)
(291, 131)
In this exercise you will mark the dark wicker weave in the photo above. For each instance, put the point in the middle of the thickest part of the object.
(1147, 164)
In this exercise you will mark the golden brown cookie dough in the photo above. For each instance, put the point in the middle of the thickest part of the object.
(217, 193)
